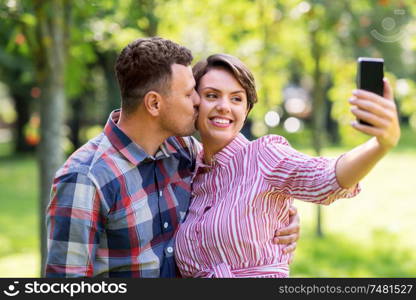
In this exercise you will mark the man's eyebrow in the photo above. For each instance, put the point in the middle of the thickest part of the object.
(191, 88)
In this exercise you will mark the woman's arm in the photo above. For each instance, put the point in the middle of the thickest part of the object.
(380, 112)
(298, 175)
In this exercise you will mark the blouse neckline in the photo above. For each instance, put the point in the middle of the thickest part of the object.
(223, 157)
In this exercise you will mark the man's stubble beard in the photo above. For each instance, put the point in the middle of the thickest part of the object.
(176, 130)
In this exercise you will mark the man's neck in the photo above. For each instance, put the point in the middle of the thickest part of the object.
(142, 130)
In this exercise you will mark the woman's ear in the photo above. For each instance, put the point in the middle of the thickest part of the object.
(152, 102)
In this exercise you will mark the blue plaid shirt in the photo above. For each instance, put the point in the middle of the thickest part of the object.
(114, 209)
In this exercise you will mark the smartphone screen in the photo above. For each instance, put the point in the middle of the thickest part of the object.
(370, 76)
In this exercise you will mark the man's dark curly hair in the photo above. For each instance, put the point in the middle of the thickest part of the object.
(145, 65)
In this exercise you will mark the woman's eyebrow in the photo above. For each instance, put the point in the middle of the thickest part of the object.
(217, 90)
(211, 88)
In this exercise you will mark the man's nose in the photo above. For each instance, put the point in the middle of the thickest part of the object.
(196, 99)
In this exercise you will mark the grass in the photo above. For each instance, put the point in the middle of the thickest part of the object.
(19, 219)
(371, 235)
(336, 255)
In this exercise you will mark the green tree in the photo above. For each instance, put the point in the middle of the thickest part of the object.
(16, 69)
(52, 24)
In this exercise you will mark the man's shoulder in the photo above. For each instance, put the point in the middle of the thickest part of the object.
(88, 158)
(187, 143)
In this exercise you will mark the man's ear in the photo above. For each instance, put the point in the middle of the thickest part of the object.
(152, 102)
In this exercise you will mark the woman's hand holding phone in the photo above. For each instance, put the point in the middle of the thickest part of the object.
(380, 113)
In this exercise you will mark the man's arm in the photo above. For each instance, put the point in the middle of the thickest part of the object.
(73, 223)
(289, 235)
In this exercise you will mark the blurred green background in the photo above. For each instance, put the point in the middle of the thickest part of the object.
(303, 55)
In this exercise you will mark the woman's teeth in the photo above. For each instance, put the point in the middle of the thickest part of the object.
(221, 121)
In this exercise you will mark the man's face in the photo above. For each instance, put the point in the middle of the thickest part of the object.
(181, 106)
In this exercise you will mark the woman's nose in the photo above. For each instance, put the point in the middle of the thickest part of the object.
(223, 105)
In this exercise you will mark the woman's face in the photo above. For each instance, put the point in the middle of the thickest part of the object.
(223, 107)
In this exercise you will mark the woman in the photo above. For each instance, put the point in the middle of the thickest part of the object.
(240, 187)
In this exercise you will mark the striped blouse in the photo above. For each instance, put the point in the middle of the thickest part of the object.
(241, 199)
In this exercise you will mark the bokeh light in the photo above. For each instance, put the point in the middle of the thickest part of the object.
(292, 125)
(259, 128)
(295, 106)
(272, 119)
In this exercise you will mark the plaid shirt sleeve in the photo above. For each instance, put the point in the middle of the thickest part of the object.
(73, 226)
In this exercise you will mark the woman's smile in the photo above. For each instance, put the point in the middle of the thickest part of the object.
(220, 122)
(222, 109)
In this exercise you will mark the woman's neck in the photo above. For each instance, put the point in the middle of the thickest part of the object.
(212, 147)
(209, 154)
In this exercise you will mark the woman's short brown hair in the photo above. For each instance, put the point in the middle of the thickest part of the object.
(235, 67)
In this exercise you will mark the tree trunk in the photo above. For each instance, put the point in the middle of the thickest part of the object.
(107, 61)
(52, 40)
(50, 154)
(23, 116)
(318, 114)
(147, 8)
(113, 92)
(75, 124)
(265, 57)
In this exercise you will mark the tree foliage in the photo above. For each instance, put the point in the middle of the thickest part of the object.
(310, 44)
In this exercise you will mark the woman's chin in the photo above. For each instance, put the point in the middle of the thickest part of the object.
(217, 138)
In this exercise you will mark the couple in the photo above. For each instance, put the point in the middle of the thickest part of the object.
(118, 201)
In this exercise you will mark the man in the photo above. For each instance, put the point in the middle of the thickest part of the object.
(118, 200)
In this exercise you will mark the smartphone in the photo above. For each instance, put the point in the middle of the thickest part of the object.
(370, 76)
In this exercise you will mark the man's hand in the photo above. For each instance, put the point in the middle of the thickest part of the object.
(290, 234)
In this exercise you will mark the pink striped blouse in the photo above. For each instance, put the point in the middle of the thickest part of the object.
(241, 199)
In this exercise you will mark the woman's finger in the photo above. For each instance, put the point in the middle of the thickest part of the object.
(374, 107)
(387, 90)
(372, 97)
(370, 118)
(290, 248)
(286, 239)
(370, 130)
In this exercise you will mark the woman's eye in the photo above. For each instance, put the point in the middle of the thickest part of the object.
(211, 96)
(238, 99)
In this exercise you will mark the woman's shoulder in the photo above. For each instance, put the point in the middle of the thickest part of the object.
(271, 139)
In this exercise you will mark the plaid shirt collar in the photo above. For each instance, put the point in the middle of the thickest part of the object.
(129, 149)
